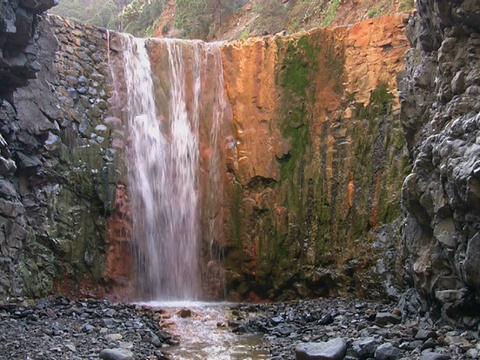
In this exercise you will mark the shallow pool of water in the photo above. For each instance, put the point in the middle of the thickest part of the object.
(204, 334)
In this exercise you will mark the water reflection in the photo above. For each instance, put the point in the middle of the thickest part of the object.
(204, 333)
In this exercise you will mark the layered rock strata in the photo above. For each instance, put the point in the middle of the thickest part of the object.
(441, 117)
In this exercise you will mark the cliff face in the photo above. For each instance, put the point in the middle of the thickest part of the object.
(318, 161)
(58, 165)
(18, 35)
(313, 157)
(440, 115)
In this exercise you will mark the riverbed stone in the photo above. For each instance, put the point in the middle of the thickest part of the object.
(387, 352)
(116, 354)
(330, 350)
(364, 348)
(434, 356)
(385, 318)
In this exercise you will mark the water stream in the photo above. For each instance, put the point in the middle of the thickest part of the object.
(204, 332)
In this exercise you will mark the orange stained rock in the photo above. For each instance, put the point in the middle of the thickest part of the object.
(351, 191)
(249, 71)
(374, 55)
(368, 54)
(118, 263)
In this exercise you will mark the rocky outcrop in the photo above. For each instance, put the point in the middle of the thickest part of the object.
(18, 35)
(60, 170)
(318, 160)
(440, 115)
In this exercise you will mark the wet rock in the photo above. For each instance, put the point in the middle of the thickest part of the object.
(185, 313)
(331, 350)
(7, 166)
(326, 320)
(19, 22)
(439, 115)
(423, 334)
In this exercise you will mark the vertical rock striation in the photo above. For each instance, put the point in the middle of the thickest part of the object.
(318, 160)
(441, 119)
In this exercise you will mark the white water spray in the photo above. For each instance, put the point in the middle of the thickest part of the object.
(163, 168)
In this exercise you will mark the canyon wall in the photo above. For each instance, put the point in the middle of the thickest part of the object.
(440, 114)
(58, 165)
(314, 159)
(315, 175)
(18, 34)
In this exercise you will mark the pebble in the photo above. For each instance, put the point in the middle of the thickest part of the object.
(434, 356)
(371, 330)
(387, 352)
(57, 328)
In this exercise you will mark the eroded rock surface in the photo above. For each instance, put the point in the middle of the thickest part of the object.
(59, 167)
(318, 160)
(441, 117)
(18, 35)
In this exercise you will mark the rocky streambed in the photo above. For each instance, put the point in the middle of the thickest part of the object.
(90, 329)
(354, 329)
(57, 328)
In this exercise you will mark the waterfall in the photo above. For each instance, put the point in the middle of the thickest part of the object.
(164, 165)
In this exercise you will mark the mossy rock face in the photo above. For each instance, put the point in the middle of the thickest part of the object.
(65, 186)
(311, 232)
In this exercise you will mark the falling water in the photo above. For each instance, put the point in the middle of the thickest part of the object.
(163, 170)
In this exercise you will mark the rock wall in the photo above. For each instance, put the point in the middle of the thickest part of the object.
(318, 162)
(313, 170)
(18, 35)
(440, 115)
(59, 167)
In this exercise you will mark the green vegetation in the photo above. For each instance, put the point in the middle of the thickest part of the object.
(244, 34)
(271, 17)
(137, 17)
(203, 18)
(381, 102)
(330, 12)
(104, 13)
(141, 16)
(299, 63)
(374, 11)
(406, 5)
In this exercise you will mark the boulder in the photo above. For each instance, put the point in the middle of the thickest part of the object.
(331, 350)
